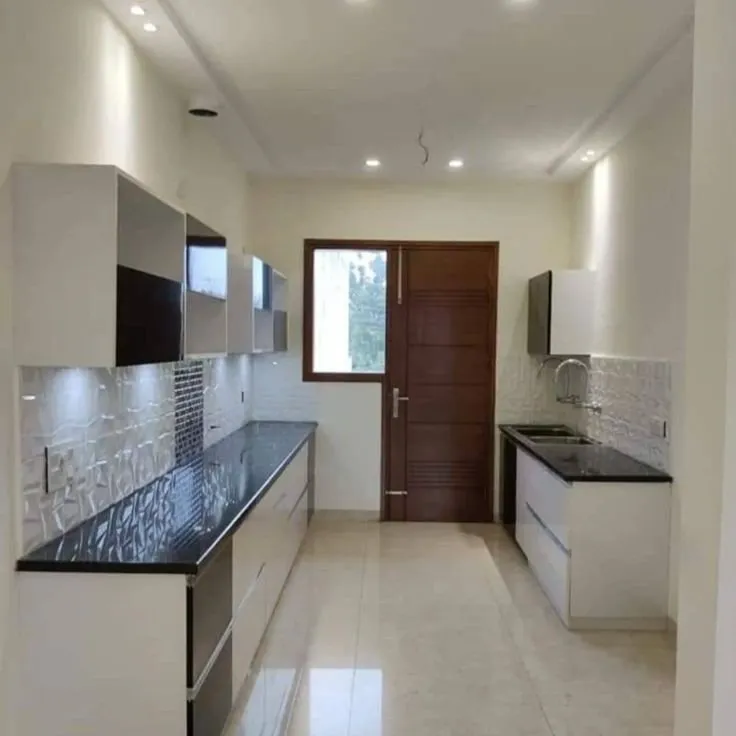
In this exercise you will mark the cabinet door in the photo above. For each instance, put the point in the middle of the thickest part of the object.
(572, 329)
(550, 563)
(149, 318)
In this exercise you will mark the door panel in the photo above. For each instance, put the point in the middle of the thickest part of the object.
(449, 324)
(447, 404)
(433, 365)
(441, 361)
(448, 442)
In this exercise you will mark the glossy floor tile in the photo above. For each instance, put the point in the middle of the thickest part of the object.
(408, 630)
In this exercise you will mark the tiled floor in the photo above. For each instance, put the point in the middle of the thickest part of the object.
(440, 630)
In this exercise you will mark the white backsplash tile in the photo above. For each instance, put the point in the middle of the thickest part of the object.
(227, 396)
(635, 398)
(109, 432)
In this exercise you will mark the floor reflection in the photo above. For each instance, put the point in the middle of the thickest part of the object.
(440, 630)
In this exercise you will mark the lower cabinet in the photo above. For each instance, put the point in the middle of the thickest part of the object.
(599, 550)
(231, 604)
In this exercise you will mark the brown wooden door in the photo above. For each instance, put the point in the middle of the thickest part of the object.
(440, 383)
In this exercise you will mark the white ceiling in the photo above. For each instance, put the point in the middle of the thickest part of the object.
(517, 88)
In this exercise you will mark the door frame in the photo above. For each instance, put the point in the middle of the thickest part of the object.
(394, 248)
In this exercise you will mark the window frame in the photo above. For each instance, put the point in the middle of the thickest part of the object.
(311, 246)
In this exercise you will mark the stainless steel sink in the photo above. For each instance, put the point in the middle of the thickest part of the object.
(547, 440)
(550, 431)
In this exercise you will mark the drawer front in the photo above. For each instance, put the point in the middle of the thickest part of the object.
(210, 709)
(248, 629)
(209, 612)
(288, 488)
(251, 547)
(551, 564)
(547, 494)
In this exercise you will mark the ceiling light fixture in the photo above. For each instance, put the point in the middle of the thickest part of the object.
(590, 154)
(456, 163)
(137, 10)
(372, 163)
(150, 27)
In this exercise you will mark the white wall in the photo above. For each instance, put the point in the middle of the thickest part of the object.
(532, 223)
(632, 226)
(73, 89)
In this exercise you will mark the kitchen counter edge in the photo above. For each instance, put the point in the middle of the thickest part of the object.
(508, 430)
(24, 564)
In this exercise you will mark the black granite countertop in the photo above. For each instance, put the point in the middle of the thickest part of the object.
(594, 463)
(176, 523)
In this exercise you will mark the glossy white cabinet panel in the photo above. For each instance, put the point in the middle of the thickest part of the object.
(572, 326)
(599, 550)
(248, 628)
(551, 565)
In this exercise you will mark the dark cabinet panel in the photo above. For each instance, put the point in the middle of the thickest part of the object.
(210, 604)
(149, 318)
(209, 711)
(540, 314)
(507, 478)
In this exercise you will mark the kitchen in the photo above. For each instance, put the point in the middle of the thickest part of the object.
(626, 215)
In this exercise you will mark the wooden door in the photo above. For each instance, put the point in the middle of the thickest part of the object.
(440, 383)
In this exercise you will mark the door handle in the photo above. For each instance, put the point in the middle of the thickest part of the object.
(396, 399)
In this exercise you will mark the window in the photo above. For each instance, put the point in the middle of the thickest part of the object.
(345, 292)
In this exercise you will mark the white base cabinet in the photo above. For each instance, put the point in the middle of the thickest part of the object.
(600, 551)
(264, 551)
(119, 654)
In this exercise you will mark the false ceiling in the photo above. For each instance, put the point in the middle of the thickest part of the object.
(515, 88)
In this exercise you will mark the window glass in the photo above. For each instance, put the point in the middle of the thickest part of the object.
(349, 318)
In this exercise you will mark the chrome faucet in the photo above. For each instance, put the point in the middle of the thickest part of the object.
(571, 398)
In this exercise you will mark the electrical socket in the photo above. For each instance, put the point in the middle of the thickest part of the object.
(658, 428)
(61, 467)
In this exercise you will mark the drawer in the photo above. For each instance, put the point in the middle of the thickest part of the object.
(248, 629)
(524, 519)
(251, 549)
(550, 563)
(209, 612)
(547, 494)
(288, 488)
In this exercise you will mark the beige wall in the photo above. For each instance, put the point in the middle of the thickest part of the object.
(631, 224)
(73, 89)
(532, 224)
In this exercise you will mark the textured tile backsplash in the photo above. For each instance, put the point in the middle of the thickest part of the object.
(107, 432)
(635, 398)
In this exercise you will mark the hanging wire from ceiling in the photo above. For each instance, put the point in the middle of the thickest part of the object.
(420, 141)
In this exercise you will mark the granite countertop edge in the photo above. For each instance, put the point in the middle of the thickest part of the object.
(28, 563)
(655, 476)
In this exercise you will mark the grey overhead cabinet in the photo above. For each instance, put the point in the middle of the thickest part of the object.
(207, 290)
(257, 306)
(98, 268)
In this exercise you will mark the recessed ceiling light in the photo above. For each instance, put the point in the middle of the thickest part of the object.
(372, 163)
(150, 27)
(590, 154)
(585, 159)
(456, 163)
(137, 10)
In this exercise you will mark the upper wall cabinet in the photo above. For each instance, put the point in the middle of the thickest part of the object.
(98, 269)
(561, 313)
(257, 306)
(207, 290)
